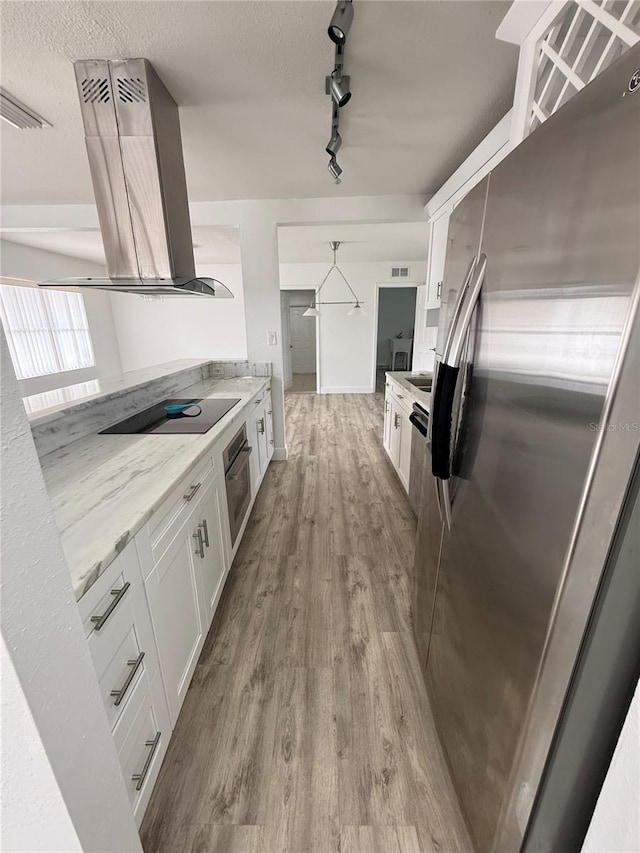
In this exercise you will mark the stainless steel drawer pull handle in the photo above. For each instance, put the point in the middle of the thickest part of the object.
(396, 421)
(139, 778)
(199, 543)
(135, 666)
(261, 426)
(118, 595)
(205, 531)
(191, 495)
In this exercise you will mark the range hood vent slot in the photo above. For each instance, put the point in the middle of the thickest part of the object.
(93, 90)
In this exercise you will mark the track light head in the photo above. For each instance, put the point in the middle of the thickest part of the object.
(338, 88)
(335, 170)
(341, 22)
(334, 144)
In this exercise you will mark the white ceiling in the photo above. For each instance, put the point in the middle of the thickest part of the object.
(429, 80)
(404, 241)
(221, 245)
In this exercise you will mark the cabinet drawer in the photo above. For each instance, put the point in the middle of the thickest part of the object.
(142, 743)
(169, 517)
(121, 675)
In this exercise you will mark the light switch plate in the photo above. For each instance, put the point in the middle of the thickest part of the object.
(272, 339)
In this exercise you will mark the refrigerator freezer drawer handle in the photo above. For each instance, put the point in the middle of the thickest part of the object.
(442, 420)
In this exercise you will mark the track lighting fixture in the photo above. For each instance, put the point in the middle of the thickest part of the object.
(335, 169)
(334, 144)
(339, 88)
(337, 84)
(341, 22)
(357, 310)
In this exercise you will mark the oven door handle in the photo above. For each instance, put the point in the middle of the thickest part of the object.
(239, 463)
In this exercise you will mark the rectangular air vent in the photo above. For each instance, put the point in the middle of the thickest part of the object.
(399, 272)
(17, 114)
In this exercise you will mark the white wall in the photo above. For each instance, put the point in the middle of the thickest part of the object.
(34, 816)
(155, 331)
(17, 261)
(70, 738)
(615, 825)
(347, 344)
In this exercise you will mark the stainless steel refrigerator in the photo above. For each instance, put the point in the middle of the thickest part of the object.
(534, 440)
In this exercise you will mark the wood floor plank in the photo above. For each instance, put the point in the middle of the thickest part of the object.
(379, 839)
(208, 838)
(307, 726)
(303, 801)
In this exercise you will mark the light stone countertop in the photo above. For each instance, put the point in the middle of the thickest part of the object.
(104, 488)
(420, 396)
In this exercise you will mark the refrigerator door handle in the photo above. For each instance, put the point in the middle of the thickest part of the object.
(458, 306)
(456, 341)
(446, 383)
(433, 420)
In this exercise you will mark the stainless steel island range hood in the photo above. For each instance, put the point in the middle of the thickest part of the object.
(132, 132)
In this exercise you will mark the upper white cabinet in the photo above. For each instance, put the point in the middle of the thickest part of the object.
(438, 228)
(563, 46)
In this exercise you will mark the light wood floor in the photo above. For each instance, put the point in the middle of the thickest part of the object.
(302, 383)
(307, 726)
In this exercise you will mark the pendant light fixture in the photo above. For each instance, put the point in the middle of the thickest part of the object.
(356, 311)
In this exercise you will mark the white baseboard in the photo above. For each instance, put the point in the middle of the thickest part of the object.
(280, 454)
(347, 389)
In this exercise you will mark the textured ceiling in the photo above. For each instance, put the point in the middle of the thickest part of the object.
(221, 245)
(429, 80)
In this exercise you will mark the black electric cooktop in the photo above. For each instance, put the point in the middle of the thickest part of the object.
(156, 419)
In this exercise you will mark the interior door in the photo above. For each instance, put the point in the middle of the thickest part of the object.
(285, 300)
(303, 341)
(561, 240)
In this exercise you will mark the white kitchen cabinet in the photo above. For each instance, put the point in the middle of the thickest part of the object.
(438, 231)
(260, 433)
(117, 623)
(172, 590)
(269, 415)
(261, 439)
(404, 457)
(388, 419)
(211, 558)
(397, 432)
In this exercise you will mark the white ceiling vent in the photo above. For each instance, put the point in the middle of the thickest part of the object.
(12, 111)
(399, 272)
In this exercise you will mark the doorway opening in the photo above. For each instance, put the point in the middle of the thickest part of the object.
(300, 342)
(396, 322)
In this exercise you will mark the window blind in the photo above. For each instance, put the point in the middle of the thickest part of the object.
(47, 330)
